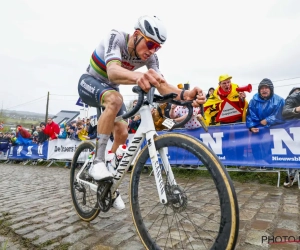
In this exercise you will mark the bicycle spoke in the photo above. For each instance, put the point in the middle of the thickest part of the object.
(198, 208)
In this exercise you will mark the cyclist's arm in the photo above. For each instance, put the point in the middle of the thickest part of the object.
(117, 74)
(164, 88)
(195, 94)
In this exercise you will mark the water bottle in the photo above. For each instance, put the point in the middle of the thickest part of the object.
(113, 159)
(120, 152)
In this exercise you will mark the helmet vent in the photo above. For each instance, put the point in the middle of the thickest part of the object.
(148, 27)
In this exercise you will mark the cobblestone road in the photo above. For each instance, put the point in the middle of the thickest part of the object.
(36, 212)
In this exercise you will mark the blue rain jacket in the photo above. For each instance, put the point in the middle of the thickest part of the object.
(260, 109)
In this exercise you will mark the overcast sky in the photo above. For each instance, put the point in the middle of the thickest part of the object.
(46, 45)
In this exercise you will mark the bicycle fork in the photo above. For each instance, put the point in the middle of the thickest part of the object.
(160, 185)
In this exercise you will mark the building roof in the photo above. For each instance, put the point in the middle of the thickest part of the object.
(65, 116)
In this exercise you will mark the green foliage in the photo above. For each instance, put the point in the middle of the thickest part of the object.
(4, 245)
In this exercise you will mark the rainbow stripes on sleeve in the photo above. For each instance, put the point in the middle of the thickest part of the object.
(99, 65)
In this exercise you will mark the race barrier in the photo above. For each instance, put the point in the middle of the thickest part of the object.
(4, 148)
(234, 144)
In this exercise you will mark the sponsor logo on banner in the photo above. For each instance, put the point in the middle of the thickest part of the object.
(19, 150)
(284, 142)
(29, 152)
(40, 149)
(228, 109)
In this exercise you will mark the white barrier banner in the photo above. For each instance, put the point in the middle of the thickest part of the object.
(64, 149)
(3, 156)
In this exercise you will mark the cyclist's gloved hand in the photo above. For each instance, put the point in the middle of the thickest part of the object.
(151, 77)
(195, 94)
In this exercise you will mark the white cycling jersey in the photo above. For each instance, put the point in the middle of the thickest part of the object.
(114, 48)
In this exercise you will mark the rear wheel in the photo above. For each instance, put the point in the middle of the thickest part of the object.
(202, 208)
(84, 198)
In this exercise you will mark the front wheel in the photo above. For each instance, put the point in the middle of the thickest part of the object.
(83, 196)
(202, 210)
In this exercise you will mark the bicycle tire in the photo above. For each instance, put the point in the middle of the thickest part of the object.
(146, 212)
(85, 212)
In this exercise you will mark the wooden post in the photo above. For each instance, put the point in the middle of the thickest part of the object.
(47, 107)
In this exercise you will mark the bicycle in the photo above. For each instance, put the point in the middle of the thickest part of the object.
(193, 213)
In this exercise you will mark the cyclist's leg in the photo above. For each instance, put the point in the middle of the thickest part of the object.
(120, 134)
(95, 93)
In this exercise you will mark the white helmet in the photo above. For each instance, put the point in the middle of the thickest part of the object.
(153, 28)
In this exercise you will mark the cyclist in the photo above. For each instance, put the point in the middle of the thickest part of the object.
(114, 62)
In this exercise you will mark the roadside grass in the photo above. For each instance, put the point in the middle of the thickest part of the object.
(268, 178)
(240, 176)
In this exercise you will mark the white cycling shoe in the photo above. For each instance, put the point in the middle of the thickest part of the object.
(99, 171)
(118, 203)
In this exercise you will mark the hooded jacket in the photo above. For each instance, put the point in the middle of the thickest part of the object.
(63, 132)
(291, 102)
(52, 129)
(260, 109)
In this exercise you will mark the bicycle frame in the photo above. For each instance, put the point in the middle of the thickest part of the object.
(146, 130)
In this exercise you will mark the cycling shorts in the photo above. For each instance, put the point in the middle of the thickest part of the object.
(91, 90)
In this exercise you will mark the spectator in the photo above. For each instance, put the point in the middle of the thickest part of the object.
(4, 143)
(63, 132)
(92, 130)
(68, 125)
(226, 104)
(179, 113)
(134, 121)
(73, 123)
(23, 136)
(87, 124)
(210, 92)
(158, 115)
(35, 137)
(80, 132)
(33, 128)
(20, 131)
(291, 108)
(13, 138)
(52, 129)
(72, 132)
(265, 110)
(42, 137)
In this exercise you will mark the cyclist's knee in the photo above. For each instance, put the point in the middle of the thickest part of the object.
(113, 100)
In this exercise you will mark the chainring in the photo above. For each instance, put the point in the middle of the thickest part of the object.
(104, 203)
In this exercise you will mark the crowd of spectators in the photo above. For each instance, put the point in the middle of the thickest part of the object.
(78, 130)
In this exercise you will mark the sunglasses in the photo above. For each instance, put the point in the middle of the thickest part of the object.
(151, 44)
